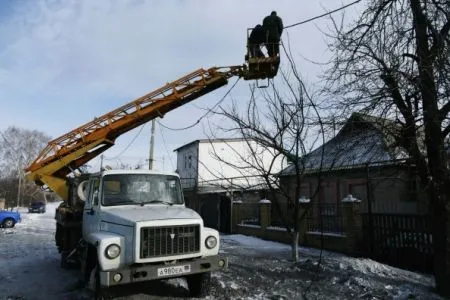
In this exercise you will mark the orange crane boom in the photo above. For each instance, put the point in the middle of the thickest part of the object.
(68, 152)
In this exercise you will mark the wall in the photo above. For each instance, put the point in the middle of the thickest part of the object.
(348, 241)
(187, 158)
(235, 155)
(391, 189)
(224, 163)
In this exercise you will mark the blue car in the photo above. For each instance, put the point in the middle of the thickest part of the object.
(9, 218)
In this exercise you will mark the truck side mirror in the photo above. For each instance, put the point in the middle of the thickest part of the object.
(82, 190)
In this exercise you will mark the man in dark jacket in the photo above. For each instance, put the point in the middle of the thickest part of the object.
(273, 26)
(257, 37)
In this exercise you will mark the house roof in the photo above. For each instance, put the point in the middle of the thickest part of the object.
(219, 140)
(363, 139)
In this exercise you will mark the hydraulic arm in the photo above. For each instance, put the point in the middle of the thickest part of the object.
(68, 152)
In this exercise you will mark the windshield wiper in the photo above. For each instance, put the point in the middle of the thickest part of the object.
(126, 202)
(157, 201)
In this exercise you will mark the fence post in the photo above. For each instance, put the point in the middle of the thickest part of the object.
(237, 215)
(352, 223)
(264, 213)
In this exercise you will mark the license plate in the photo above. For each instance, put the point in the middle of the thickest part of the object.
(176, 270)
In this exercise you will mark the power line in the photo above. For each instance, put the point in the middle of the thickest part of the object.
(165, 146)
(128, 146)
(204, 115)
(323, 15)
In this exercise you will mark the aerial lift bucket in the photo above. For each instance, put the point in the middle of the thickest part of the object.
(260, 67)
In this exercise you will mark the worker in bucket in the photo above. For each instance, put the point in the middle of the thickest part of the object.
(257, 37)
(273, 27)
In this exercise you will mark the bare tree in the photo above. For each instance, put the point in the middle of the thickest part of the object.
(18, 147)
(394, 61)
(277, 127)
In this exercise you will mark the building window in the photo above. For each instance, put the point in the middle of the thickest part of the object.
(304, 190)
(327, 192)
(409, 191)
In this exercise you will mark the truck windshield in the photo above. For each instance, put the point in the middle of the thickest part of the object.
(131, 189)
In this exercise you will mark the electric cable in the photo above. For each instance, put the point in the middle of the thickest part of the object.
(322, 15)
(165, 146)
(128, 146)
(205, 114)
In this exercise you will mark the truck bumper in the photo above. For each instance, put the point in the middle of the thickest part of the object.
(148, 272)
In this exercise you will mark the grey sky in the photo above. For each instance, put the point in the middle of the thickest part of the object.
(64, 62)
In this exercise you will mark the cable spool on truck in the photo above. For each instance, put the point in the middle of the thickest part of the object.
(126, 226)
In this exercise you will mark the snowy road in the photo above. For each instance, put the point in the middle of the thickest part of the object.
(29, 269)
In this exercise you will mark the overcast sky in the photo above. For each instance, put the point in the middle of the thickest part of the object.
(63, 62)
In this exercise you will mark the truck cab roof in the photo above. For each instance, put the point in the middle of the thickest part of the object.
(140, 171)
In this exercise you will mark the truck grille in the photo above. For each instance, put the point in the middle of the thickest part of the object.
(171, 240)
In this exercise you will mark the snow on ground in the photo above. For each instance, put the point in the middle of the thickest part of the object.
(258, 269)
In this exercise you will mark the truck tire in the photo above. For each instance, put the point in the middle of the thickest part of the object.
(64, 264)
(199, 284)
(67, 264)
(58, 237)
(99, 292)
(8, 223)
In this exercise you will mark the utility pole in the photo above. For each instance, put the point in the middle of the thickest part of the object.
(101, 162)
(152, 145)
(19, 173)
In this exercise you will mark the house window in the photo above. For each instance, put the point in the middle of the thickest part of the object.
(304, 190)
(327, 192)
(409, 191)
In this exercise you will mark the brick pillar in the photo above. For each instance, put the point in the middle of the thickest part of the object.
(237, 215)
(265, 213)
(352, 223)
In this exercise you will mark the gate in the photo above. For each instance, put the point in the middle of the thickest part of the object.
(400, 240)
(210, 212)
(225, 214)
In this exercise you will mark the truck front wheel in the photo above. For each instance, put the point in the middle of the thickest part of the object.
(199, 284)
(99, 292)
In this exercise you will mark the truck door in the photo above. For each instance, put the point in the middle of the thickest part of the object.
(91, 217)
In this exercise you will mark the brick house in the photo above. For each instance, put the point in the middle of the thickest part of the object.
(364, 160)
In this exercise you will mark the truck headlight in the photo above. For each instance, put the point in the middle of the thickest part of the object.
(112, 251)
(210, 242)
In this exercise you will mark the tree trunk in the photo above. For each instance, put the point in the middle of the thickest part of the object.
(441, 244)
(295, 238)
(437, 157)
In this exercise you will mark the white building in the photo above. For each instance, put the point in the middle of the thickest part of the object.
(219, 165)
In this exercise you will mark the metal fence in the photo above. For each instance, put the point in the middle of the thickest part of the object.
(324, 217)
(250, 213)
(401, 240)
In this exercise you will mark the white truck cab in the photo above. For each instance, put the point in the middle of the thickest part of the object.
(136, 227)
